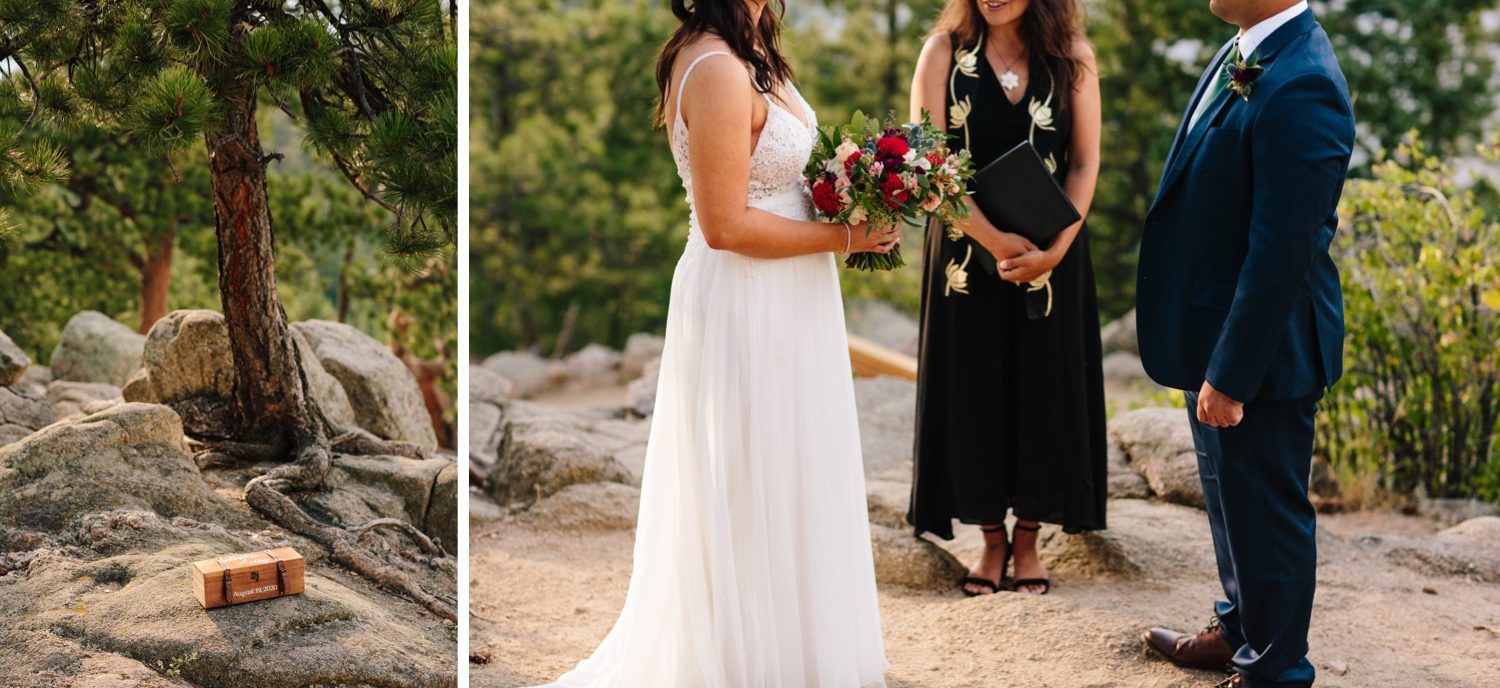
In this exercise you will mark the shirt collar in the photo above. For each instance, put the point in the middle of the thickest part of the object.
(1250, 40)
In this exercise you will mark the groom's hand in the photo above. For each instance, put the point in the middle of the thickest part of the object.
(1217, 410)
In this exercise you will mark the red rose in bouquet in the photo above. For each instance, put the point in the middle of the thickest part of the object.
(826, 198)
(896, 193)
(852, 159)
(891, 147)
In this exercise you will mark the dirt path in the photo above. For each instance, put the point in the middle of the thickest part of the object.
(543, 600)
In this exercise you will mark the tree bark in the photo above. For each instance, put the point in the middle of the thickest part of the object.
(271, 403)
(156, 277)
(272, 412)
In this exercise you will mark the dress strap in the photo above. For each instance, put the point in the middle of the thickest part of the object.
(683, 84)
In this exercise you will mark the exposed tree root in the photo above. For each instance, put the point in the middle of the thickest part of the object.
(363, 442)
(304, 434)
(410, 530)
(264, 495)
(211, 453)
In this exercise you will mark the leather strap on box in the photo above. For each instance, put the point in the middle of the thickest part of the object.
(228, 583)
(280, 573)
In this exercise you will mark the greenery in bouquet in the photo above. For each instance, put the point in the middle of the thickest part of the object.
(886, 173)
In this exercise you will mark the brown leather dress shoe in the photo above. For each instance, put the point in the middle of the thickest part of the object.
(1206, 650)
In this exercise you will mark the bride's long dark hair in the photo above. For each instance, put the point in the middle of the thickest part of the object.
(755, 42)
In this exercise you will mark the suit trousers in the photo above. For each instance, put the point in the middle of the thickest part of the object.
(1255, 479)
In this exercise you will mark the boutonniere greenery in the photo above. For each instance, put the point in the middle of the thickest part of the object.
(1242, 75)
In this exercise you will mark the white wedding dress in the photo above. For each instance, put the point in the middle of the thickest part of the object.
(752, 563)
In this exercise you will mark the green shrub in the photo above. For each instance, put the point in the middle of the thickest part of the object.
(1419, 407)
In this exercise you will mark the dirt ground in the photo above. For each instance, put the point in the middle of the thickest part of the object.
(543, 600)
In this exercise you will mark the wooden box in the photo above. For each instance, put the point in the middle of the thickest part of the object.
(240, 578)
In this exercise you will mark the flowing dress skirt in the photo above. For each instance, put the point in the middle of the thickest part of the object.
(752, 562)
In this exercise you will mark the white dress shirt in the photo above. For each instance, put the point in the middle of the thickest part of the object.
(1251, 39)
(1248, 42)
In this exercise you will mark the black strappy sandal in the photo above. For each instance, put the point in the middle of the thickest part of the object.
(1045, 584)
(994, 585)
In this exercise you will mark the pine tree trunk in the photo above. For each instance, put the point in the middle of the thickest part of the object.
(271, 404)
(156, 277)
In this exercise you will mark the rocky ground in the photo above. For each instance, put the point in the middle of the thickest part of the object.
(102, 508)
(1403, 600)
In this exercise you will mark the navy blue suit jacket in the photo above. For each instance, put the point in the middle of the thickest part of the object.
(1235, 284)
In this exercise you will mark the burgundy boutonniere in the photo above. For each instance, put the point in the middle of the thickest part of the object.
(1243, 75)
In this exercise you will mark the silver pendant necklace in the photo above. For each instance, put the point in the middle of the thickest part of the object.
(1009, 79)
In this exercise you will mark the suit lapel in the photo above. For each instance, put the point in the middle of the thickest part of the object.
(1195, 136)
(1187, 115)
(1187, 141)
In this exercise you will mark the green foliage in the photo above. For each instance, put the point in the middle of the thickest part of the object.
(118, 198)
(110, 102)
(166, 72)
(577, 204)
(174, 109)
(1420, 403)
(1416, 64)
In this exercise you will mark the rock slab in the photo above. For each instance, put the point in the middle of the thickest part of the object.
(96, 348)
(586, 506)
(911, 562)
(538, 458)
(13, 361)
(130, 456)
(526, 371)
(21, 414)
(70, 400)
(1159, 445)
(382, 391)
(640, 350)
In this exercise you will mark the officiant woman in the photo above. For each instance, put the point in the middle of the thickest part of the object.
(1010, 392)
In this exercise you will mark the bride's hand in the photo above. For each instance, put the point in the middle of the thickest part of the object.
(864, 238)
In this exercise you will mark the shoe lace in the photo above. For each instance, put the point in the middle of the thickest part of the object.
(1235, 681)
(1213, 624)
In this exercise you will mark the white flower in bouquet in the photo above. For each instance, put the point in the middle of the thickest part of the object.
(842, 153)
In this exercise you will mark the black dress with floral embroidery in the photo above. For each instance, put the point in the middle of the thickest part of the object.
(1010, 393)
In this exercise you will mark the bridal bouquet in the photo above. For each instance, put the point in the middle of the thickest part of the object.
(884, 173)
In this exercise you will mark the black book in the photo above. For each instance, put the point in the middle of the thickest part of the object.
(1019, 195)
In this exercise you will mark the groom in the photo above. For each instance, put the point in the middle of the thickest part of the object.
(1239, 306)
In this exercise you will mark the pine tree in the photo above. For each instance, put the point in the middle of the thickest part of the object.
(119, 211)
(374, 85)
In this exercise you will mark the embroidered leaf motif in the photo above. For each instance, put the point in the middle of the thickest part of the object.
(1051, 163)
(968, 62)
(958, 115)
(958, 278)
(1041, 115)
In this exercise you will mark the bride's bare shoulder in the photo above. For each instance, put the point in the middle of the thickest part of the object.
(702, 45)
(722, 72)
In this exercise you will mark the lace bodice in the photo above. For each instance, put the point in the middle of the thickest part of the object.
(776, 164)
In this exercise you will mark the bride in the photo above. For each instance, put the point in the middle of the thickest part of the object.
(752, 565)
